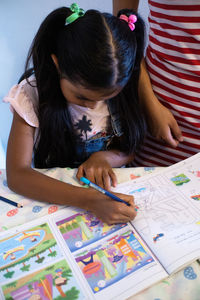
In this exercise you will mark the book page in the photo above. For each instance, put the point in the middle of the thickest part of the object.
(168, 216)
(34, 266)
(113, 260)
(73, 255)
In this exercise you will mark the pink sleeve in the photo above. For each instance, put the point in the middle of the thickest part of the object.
(24, 100)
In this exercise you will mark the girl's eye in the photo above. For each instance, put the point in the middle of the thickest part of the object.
(84, 99)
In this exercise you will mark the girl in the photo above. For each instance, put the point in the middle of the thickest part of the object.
(78, 109)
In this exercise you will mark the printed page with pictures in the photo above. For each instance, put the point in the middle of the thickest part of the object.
(73, 255)
(168, 218)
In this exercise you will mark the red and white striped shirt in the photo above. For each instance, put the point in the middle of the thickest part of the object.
(173, 60)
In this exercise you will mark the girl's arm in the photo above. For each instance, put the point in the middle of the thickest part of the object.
(161, 122)
(32, 184)
(98, 167)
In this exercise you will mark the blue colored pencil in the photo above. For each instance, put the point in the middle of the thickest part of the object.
(6, 200)
(100, 189)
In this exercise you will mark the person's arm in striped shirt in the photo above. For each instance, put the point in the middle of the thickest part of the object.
(161, 122)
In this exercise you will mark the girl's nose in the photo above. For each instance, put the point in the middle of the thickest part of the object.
(92, 104)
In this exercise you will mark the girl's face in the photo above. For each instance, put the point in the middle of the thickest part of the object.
(79, 95)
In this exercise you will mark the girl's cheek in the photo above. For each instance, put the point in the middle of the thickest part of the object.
(90, 104)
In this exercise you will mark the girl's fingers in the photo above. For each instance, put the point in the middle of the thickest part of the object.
(111, 211)
(118, 221)
(176, 132)
(169, 139)
(125, 210)
(83, 172)
(80, 173)
(89, 172)
(106, 180)
(113, 178)
(128, 211)
(127, 198)
(99, 178)
(123, 218)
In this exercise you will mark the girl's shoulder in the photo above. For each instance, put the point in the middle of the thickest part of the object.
(23, 98)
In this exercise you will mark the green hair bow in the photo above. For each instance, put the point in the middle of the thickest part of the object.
(77, 13)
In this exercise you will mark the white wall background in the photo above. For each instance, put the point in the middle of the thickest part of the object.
(19, 21)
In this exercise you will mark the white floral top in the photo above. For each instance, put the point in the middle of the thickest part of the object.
(88, 123)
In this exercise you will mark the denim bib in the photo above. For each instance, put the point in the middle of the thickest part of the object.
(86, 148)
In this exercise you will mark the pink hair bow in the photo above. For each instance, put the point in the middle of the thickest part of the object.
(130, 20)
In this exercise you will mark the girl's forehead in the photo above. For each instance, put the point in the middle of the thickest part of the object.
(81, 90)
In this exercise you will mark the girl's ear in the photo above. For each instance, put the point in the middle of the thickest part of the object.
(55, 60)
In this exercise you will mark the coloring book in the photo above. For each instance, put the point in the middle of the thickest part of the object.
(71, 254)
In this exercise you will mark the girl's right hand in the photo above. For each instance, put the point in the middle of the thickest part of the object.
(110, 211)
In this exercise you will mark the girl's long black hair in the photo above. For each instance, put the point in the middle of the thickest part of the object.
(98, 51)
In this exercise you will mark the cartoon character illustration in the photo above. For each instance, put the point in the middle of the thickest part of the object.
(180, 179)
(35, 294)
(196, 197)
(157, 237)
(11, 252)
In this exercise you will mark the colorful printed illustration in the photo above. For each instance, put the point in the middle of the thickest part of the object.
(26, 251)
(111, 261)
(139, 190)
(133, 176)
(51, 283)
(180, 179)
(157, 237)
(196, 197)
(196, 173)
(82, 229)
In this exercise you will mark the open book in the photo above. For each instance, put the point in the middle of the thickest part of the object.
(73, 255)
